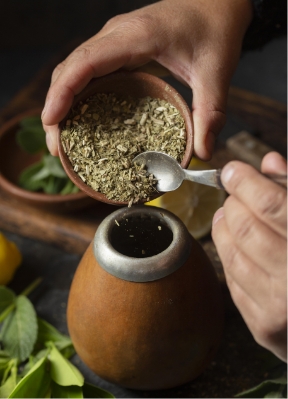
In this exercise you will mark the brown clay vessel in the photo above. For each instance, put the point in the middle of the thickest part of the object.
(145, 306)
(135, 84)
(13, 160)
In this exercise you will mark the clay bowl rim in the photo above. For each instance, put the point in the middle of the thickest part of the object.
(19, 192)
(90, 89)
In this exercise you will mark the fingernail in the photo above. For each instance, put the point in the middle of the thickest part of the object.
(227, 173)
(49, 142)
(218, 215)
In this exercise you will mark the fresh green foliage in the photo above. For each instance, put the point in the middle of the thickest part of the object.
(31, 136)
(34, 362)
(7, 297)
(19, 331)
(62, 371)
(47, 174)
(91, 391)
(275, 386)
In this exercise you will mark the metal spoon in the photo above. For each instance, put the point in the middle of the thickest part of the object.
(170, 174)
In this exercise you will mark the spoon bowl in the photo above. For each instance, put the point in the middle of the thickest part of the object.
(165, 168)
(170, 175)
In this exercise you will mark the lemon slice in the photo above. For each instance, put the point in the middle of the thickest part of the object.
(194, 203)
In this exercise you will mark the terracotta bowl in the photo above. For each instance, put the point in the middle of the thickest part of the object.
(134, 84)
(13, 160)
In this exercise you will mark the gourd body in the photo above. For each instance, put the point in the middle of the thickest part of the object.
(147, 335)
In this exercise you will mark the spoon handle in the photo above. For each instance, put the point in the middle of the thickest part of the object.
(213, 177)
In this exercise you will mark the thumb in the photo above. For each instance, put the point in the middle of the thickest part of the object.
(208, 114)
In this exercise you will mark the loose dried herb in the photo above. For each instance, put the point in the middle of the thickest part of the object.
(103, 135)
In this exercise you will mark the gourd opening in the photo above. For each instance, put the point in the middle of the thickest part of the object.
(140, 236)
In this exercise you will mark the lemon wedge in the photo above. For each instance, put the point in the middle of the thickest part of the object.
(194, 203)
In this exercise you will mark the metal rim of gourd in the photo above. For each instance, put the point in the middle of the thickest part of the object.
(142, 269)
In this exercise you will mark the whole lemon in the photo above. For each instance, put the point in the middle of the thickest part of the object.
(10, 259)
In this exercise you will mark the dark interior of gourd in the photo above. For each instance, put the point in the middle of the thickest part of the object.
(140, 236)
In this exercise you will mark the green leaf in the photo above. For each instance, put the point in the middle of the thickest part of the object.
(4, 355)
(11, 382)
(46, 332)
(69, 188)
(63, 372)
(33, 360)
(275, 388)
(26, 177)
(7, 297)
(19, 331)
(41, 174)
(54, 166)
(91, 391)
(36, 383)
(59, 391)
(31, 136)
(53, 185)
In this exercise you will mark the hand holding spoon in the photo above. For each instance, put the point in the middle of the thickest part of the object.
(170, 175)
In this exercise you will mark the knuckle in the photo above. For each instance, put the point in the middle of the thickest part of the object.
(242, 228)
(272, 203)
(58, 69)
(229, 258)
(113, 21)
(267, 330)
(82, 52)
(143, 24)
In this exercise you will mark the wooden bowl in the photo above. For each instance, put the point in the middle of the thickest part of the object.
(138, 85)
(13, 160)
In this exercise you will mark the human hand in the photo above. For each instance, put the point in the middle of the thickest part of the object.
(250, 234)
(199, 42)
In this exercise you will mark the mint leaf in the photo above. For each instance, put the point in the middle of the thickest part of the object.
(26, 180)
(52, 185)
(53, 165)
(46, 332)
(11, 382)
(60, 391)
(31, 136)
(62, 371)
(36, 383)
(91, 391)
(7, 297)
(19, 331)
(69, 188)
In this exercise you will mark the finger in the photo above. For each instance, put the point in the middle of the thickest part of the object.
(207, 123)
(268, 329)
(253, 292)
(273, 162)
(51, 139)
(254, 238)
(107, 28)
(128, 46)
(253, 280)
(265, 199)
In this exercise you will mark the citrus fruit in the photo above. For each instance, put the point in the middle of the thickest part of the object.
(194, 203)
(10, 259)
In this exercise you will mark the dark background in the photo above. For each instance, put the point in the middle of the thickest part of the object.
(32, 31)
